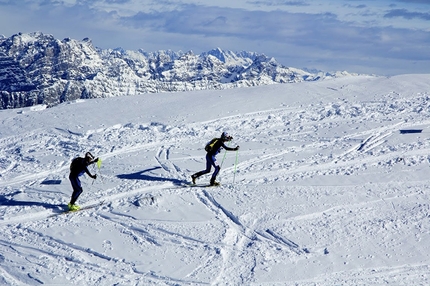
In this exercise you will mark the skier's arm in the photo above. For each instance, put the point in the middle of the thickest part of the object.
(228, 148)
(89, 174)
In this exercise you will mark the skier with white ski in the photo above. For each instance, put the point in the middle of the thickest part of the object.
(77, 168)
(213, 148)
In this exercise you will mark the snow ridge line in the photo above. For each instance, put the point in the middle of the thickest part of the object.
(241, 117)
(131, 230)
(284, 241)
(272, 236)
(229, 215)
(145, 233)
(235, 240)
(45, 214)
(373, 141)
(111, 153)
(80, 253)
(27, 217)
(240, 239)
(10, 279)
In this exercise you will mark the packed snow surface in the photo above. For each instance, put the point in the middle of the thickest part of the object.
(328, 187)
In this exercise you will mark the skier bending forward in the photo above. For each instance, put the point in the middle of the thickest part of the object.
(217, 144)
(77, 168)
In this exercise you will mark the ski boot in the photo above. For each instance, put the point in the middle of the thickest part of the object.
(73, 207)
(214, 184)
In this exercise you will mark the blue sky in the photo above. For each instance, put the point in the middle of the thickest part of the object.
(384, 37)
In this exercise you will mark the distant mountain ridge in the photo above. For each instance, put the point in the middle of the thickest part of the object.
(36, 68)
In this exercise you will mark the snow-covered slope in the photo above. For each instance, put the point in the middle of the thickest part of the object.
(36, 69)
(326, 189)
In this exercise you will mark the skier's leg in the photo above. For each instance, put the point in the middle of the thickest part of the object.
(77, 189)
(217, 169)
(207, 170)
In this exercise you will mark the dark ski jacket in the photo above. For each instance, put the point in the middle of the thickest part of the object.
(79, 166)
(217, 147)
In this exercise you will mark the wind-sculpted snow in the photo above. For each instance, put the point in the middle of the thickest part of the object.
(38, 69)
(325, 189)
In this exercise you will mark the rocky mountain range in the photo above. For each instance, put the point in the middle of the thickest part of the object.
(36, 68)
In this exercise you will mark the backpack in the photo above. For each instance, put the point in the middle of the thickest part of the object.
(75, 163)
(210, 144)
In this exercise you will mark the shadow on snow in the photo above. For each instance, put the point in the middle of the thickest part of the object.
(142, 176)
(9, 202)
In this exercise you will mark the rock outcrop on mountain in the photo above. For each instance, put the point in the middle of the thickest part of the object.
(36, 69)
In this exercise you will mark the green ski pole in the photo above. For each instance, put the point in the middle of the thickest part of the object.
(235, 165)
(99, 164)
(223, 158)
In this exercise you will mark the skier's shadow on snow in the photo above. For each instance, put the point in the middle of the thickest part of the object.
(142, 176)
(4, 201)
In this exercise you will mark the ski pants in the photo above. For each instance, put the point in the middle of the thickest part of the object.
(77, 189)
(210, 161)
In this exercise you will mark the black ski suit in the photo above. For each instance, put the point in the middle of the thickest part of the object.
(211, 160)
(77, 168)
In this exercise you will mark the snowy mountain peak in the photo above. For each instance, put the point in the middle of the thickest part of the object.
(36, 68)
(218, 53)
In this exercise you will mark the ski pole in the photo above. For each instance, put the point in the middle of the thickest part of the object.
(92, 183)
(235, 166)
(223, 158)
(99, 164)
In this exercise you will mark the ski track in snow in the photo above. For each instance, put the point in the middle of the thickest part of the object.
(328, 193)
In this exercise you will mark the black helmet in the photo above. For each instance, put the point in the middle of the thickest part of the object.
(225, 136)
(89, 156)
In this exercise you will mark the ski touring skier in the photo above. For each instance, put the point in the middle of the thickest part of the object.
(78, 167)
(213, 148)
